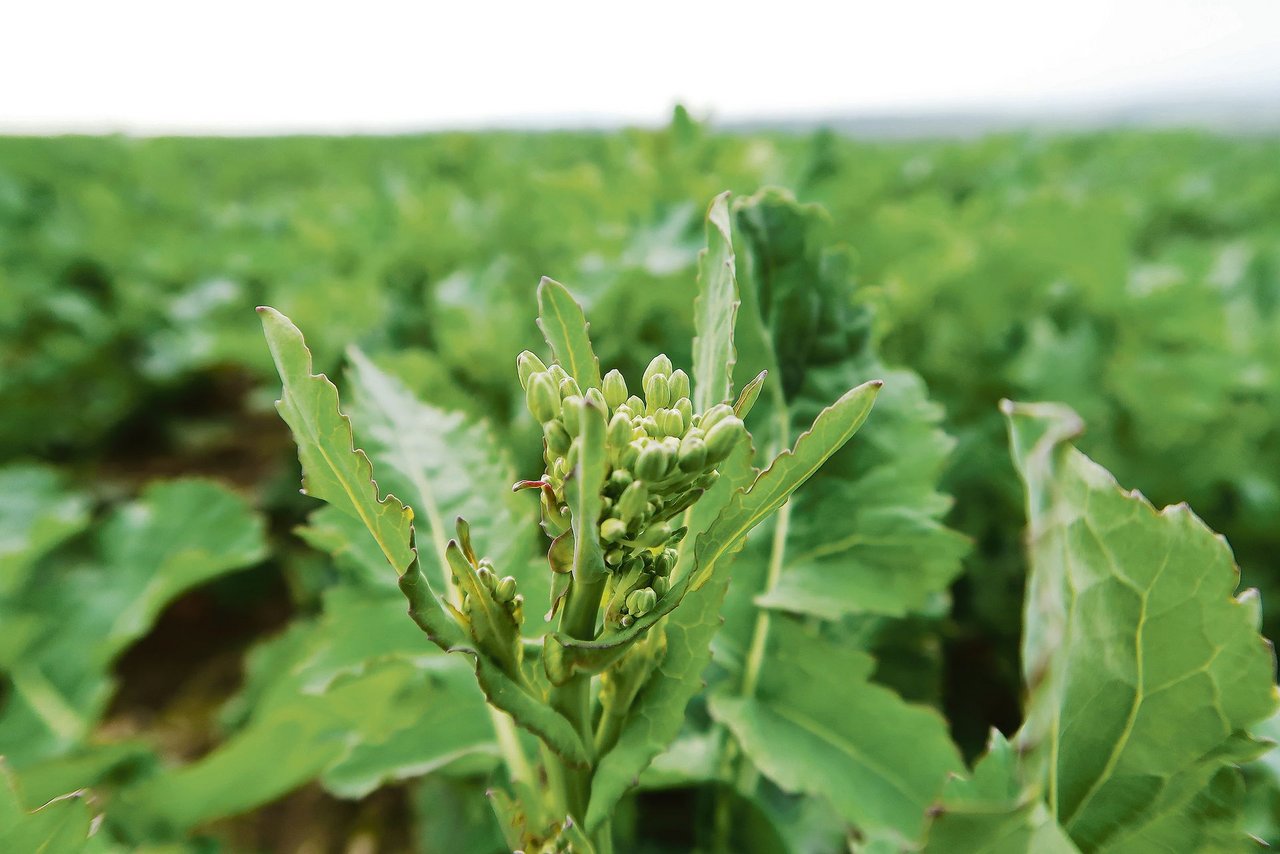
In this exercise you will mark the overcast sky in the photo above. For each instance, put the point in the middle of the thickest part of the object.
(235, 67)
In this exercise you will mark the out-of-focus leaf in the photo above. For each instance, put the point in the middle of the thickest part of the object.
(1145, 669)
(715, 311)
(881, 762)
(64, 824)
(177, 535)
(37, 512)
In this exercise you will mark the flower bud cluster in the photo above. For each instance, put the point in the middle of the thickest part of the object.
(502, 590)
(662, 457)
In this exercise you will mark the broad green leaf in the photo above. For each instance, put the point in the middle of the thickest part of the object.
(658, 710)
(37, 512)
(1144, 666)
(443, 466)
(834, 426)
(715, 311)
(565, 327)
(177, 535)
(64, 824)
(333, 469)
(881, 762)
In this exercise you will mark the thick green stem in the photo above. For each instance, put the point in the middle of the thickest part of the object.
(573, 699)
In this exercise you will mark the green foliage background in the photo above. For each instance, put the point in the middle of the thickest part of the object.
(151, 617)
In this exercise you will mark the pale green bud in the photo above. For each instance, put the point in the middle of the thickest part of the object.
(542, 398)
(615, 389)
(685, 407)
(661, 586)
(619, 434)
(693, 454)
(660, 365)
(665, 562)
(527, 364)
(621, 478)
(641, 602)
(715, 415)
(569, 388)
(626, 620)
(649, 425)
(613, 557)
(653, 535)
(506, 590)
(573, 409)
(558, 439)
(612, 530)
(596, 398)
(657, 392)
(486, 576)
(707, 481)
(558, 373)
(627, 459)
(633, 501)
(635, 404)
(653, 462)
(670, 422)
(623, 410)
(722, 437)
(679, 383)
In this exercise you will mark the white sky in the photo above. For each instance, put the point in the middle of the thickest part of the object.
(231, 66)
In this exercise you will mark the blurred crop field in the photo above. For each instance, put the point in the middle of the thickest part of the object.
(173, 611)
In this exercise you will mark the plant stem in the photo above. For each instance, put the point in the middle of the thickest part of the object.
(573, 699)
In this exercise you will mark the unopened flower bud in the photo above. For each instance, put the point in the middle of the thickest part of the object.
(558, 373)
(626, 620)
(707, 481)
(714, 416)
(670, 422)
(573, 407)
(569, 388)
(657, 393)
(557, 437)
(506, 589)
(633, 501)
(612, 530)
(722, 437)
(660, 586)
(595, 397)
(685, 408)
(486, 576)
(620, 478)
(615, 389)
(527, 364)
(641, 602)
(649, 425)
(693, 454)
(627, 459)
(653, 462)
(665, 562)
(635, 404)
(679, 383)
(613, 557)
(660, 365)
(542, 398)
(619, 434)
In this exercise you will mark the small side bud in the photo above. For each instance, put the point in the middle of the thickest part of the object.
(657, 393)
(486, 576)
(693, 454)
(527, 364)
(660, 365)
(635, 404)
(558, 439)
(679, 383)
(596, 398)
(569, 388)
(641, 602)
(685, 407)
(653, 463)
(573, 407)
(714, 416)
(619, 434)
(615, 389)
(722, 437)
(542, 398)
(506, 590)
(633, 501)
(660, 586)
(558, 373)
(612, 530)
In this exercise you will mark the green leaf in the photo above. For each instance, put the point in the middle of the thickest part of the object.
(834, 426)
(1144, 667)
(333, 469)
(881, 762)
(444, 466)
(715, 311)
(583, 492)
(565, 327)
(36, 513)
(177, 535)
(64, 824)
